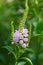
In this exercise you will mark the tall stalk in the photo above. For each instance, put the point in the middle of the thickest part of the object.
(24, 17)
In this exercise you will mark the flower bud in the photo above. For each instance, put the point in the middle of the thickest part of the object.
(25, 31)
(25, 35)
(12, 42)
(21, 36)
(24, 45)
(21, 42)
(25, 39)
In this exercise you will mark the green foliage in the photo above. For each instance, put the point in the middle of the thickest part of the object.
(13, 11)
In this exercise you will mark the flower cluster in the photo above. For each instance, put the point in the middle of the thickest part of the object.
(21, 38)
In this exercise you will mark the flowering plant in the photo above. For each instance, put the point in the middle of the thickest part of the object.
(21, 32)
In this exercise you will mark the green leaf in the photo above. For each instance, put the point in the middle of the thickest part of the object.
(27, 60)
(21, 63)
(40, 56)
(10, 49)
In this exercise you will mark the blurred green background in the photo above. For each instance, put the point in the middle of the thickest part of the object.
(12, 10)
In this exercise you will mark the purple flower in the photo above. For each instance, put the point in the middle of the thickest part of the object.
(24, 45)
(25, 39)
(25, 31)
(16, 40)
(25, 35)
(21, 36)
(17, 34)
(21, 42)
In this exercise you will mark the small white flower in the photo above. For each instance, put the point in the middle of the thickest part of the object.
(21, 41)
(25, 39)
(25, 31)
(12, 42)
(25, 35)
(24, 45)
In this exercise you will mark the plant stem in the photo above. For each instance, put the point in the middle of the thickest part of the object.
(24, 17)
(12, 30)
(16, 63)
(30, 32)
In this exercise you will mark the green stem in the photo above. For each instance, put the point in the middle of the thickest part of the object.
(24, 17)
(16, 63)
(12, 30)
(30, 31)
